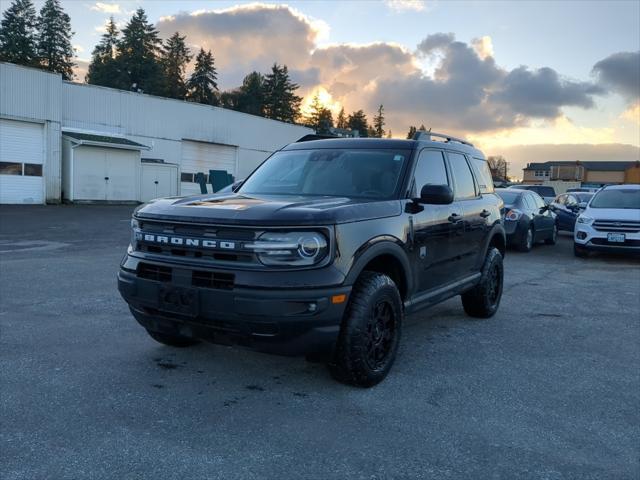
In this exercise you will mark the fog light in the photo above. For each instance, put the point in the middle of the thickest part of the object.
(581, 235)
(312, 307)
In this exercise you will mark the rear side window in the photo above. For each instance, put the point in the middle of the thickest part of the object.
(462, 176)
(483, 174)
(545, 191)
(430, 169)
(528, 202)
(537, 199)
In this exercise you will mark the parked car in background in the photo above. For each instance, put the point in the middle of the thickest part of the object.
(567, 207)
(583, 189)
(546, 192)
(611, 222)
(527, 219)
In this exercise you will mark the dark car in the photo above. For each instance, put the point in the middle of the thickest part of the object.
(547, 193)
(322, 251)
(567, 207)
(527, 219)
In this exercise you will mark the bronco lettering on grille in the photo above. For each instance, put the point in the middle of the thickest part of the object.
(187, 242)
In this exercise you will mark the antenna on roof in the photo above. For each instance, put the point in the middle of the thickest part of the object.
(426, 136)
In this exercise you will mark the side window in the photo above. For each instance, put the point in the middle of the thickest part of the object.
(462, 176)
(571, 200)
(561, 199)
(538, 201)
(483, 174)
(528, 202)
(430, 169)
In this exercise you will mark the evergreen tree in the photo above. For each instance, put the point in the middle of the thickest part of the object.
(174, 61)
(412, 132)
(18, 34)
(389, 134)
(341, 121)
(358, 121)
(280, 100)
(313, 118)
(55, 52)
(202, 84)
(104, 69)
(378, 122)
(138, 56)
(325, 121)
(422, 128)
(251, 94)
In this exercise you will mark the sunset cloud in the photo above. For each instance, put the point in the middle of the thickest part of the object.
(106, 7)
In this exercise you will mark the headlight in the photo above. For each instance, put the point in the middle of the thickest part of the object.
(135, 227)
(585, 220)
(290, 248)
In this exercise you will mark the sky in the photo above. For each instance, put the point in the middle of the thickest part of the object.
(505, 75)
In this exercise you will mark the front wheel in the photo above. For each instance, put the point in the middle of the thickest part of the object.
(526, 244)
(483, 300)
(370, 332)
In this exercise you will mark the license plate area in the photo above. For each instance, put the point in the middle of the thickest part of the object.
(616, 237)
(181, 300)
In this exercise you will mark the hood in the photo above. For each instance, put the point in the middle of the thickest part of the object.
(236, 209)
(622, 214)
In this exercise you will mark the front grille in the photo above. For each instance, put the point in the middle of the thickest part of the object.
(217, 280)
(622, 226)
(154, 272)
(626, 243)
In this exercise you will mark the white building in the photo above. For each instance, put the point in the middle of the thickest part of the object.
(62, 140)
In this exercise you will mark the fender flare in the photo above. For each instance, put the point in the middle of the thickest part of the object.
(376, 247)
(497, 229)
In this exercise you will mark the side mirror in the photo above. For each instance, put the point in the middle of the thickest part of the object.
(545, 208)
(436, 195)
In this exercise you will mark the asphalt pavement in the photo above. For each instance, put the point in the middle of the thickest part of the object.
(549, 388)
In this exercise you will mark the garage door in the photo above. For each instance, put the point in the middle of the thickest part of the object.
(21, 159)
(158, 180)
(105, 174)
(202, 157)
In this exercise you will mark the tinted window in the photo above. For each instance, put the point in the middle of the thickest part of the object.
(584, 197)
(462, 176)
(332, 172)
(430, 169)
(544, 191)
(616, 198)
(483, 174)
(10, 168)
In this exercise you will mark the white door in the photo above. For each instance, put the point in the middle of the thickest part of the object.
(202, 157)
(158, 180)
(105, 174)
(21, 162)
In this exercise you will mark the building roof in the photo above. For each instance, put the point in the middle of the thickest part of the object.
(103, 140)
(603, 166)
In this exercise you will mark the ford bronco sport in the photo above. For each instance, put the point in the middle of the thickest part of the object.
(322, 251)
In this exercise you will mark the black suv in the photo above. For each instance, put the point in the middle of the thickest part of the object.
(321, 251)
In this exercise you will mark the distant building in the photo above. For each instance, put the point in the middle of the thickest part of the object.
(590, 173)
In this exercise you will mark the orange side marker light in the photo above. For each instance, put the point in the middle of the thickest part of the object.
(339, 298)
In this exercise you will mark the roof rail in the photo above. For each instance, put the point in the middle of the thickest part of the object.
(314, 136)
(422, 135)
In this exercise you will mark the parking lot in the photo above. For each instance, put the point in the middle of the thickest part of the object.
(548, 388)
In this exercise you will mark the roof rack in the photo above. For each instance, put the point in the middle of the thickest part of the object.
(314, 136)
(422, 135)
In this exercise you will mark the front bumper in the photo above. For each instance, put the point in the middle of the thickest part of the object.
(286, 321)
(587, 237)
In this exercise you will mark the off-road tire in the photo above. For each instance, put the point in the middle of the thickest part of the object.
(554, 235)
(579, 251)
(365, 335)
(483, 300)
(172, 340)
(525, 245)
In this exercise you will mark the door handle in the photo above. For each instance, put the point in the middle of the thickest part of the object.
(106, 178)
(454, 218)
(485, 213)
(156, 182)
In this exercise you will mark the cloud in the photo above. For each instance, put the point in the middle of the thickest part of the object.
(406, 5)
(620, 73)
(463, 91)
(106, 7)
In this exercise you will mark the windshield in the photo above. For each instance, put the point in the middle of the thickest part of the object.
(616, 198)
(509, 198)
(362, 173)
(583, 197)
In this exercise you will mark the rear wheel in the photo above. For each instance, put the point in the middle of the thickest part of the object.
(370, 332)
(526, 243)
(483, 300)
(579, 251)
(554, 235)
(172, 340)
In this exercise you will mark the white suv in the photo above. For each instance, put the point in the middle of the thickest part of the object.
(611, 222)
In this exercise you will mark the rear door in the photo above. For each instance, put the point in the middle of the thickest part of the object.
(467, 228)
